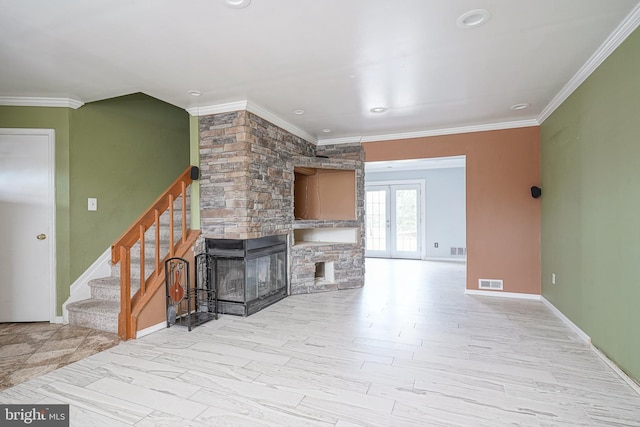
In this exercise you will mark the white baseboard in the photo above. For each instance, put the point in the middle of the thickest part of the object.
(58, 319)
(587, 339)
(634, 385)
(151, 329)
(501, 294)
(80, 288)
(583, 336)
(430, 258)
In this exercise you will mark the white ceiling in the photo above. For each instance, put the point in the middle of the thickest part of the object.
(335, 59)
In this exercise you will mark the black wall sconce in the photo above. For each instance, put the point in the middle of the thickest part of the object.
(195, 172)
(536, 192)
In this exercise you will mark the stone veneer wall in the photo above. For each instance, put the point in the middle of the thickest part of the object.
(347, 258)
(246, 191)
(246, 184)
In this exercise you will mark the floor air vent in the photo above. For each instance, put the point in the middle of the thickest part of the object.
(492, 284)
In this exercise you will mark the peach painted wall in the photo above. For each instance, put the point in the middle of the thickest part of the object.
(503, 220)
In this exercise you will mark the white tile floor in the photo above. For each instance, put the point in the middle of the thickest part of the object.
(408, 349)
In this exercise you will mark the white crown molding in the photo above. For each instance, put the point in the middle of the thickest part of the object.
(615, 39)
(434, 132)
(255, 109)
(346, 140)
(218, 108)
(22, 101)
(269, 116)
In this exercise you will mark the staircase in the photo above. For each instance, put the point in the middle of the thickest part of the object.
(109, 308)
(102, 309)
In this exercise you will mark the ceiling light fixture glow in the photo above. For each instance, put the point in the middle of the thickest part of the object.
(326, 130)
(237, 4)
(473, 18)
(298, 112)
(194, 93)
(378, 110)
(522, 106)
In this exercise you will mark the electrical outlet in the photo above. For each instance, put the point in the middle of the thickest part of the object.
(553, 278)
(92, 204)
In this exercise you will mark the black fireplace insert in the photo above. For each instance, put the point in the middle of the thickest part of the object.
(249, 274)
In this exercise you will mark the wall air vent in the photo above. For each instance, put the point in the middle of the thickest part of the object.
(491, 284)
(458, 251)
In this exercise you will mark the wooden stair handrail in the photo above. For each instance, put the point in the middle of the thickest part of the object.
(147, 219)
(131, 307)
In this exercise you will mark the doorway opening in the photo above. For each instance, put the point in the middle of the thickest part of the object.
(416, 209)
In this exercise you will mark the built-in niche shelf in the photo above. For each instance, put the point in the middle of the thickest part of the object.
(324, 194)
(326, 236)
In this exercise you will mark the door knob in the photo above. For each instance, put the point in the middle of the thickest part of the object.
(41, 236)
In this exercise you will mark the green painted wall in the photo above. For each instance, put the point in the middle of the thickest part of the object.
(57, 119)
(591, 206)
(124, 151)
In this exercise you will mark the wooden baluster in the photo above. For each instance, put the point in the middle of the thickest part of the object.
(142, 272)
(124, 319)
(157, 222)
(184, 211)
(171, 248)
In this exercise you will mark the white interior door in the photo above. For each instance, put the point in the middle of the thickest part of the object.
(394, 221)
(27, 225)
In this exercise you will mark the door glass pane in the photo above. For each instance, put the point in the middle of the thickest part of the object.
(376, 220)
(407, 220)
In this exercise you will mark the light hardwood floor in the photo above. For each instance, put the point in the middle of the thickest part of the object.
(409, 349)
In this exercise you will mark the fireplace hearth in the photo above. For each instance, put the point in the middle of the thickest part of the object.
(250, 274)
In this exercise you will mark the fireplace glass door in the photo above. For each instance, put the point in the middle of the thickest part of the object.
(230, 278)
(265, 275)
(249, 274)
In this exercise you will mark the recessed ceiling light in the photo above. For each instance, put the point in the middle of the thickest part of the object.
(298, 112)
(378, 110)
(194, 93)
(473, 18)
(326, 130)
(522, 106)
(237, 4)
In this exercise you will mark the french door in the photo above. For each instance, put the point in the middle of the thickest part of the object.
(394, 220)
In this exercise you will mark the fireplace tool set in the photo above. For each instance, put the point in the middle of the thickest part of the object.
(190, 304)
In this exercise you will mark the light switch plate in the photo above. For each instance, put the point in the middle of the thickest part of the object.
(92, 204)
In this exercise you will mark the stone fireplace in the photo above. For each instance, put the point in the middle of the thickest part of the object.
(257, 178)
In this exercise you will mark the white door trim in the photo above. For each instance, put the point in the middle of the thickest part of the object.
(422, 206)
(51, 203)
